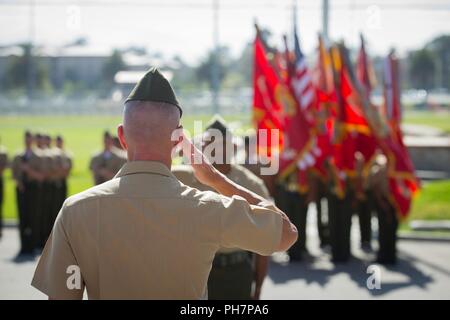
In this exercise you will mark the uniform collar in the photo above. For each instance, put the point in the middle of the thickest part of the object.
(150, 167)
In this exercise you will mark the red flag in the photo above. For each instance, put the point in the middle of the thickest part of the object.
(350, 123)
(324, 78)
(298, 150)
(392, 91)
(403, 183)
(356, 133)
(281, 66)
(267, 106)
(352, 132)
(325, 109)
(336, 168)
(385, 125)
(364, 71)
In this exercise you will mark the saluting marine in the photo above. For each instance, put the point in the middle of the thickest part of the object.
(235, 273)
(146, 235)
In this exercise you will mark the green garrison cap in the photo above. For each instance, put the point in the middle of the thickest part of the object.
(218, 123)
(154, 87)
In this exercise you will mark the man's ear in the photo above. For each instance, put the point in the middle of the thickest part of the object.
(121, 136)
(177, 136)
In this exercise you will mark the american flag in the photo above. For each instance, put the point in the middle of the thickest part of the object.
(302, 80)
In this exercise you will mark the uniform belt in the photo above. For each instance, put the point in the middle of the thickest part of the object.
(222, 260)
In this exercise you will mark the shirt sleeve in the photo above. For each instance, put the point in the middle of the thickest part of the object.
(187, 177)
(66, 162)
(57, 273)
(261, 189)
(69, 161)
(248, 227)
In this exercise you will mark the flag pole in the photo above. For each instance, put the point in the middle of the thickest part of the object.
(325, 17)
(215, 80)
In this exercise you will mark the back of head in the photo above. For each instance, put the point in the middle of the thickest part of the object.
(148, 127)
(152, 112)
(39, 139)
(28, 138)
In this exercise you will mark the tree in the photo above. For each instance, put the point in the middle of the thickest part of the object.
(422, 68)
(113, 65)
(243, 65)
(204, 70)
(441, 48)
(26, 72)
(184, 75)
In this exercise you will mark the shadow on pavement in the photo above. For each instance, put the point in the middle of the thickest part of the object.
(356, 268)
(433, 266)
(24, 258)
(405, 266)
(284, 272)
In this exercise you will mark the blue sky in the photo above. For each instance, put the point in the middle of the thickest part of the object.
(185, 28)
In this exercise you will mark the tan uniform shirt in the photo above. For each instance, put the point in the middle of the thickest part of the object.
(49, 163)
(112, 161)
(238, 174)
(32, 158)
(63, 161)
(146, 235)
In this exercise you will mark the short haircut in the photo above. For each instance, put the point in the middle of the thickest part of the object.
(147, 122)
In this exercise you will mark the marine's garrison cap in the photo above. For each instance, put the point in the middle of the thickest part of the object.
(218, 123)
(154, 87)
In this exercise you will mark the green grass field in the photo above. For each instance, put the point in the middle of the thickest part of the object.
(437, 120)
(432, 202)
(83, 135)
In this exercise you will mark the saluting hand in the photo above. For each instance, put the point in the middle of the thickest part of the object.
(204, 171)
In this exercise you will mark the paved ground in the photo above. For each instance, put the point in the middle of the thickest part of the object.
(423, 272)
